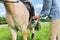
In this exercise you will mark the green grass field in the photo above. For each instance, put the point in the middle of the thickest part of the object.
(42, 34)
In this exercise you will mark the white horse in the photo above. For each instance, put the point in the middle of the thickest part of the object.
(17, 17)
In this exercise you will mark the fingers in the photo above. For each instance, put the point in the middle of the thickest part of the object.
(36, 17)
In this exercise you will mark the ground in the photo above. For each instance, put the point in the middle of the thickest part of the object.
(42, 34)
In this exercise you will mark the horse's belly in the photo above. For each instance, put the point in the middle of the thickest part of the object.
(19, 13)
(22, 18)
(16, 8)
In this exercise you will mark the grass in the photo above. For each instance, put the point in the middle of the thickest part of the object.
(42, 34)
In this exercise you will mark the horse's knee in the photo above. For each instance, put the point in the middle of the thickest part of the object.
(13, 31)
(24, 30)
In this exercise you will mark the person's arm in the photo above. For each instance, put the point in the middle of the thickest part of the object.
(46, 8)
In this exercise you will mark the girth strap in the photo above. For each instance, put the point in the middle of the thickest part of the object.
(9, 1)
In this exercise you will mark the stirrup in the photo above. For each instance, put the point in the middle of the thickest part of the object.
(10, 1)
(32, 20)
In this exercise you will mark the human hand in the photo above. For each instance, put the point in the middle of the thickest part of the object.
(36, 16)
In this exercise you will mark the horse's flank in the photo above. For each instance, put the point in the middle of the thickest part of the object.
(18, 11)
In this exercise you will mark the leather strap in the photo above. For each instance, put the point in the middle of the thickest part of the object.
(10, 1)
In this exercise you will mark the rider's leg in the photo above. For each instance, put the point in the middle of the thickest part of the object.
(54, 29)
(55, 20)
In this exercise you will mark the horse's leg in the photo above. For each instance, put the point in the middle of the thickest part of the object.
(24, 31)
(32, 33)
(11, 24)
(32, 30)
(13, 32)
(32, 27)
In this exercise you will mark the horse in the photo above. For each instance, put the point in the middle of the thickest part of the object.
(17, 17)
